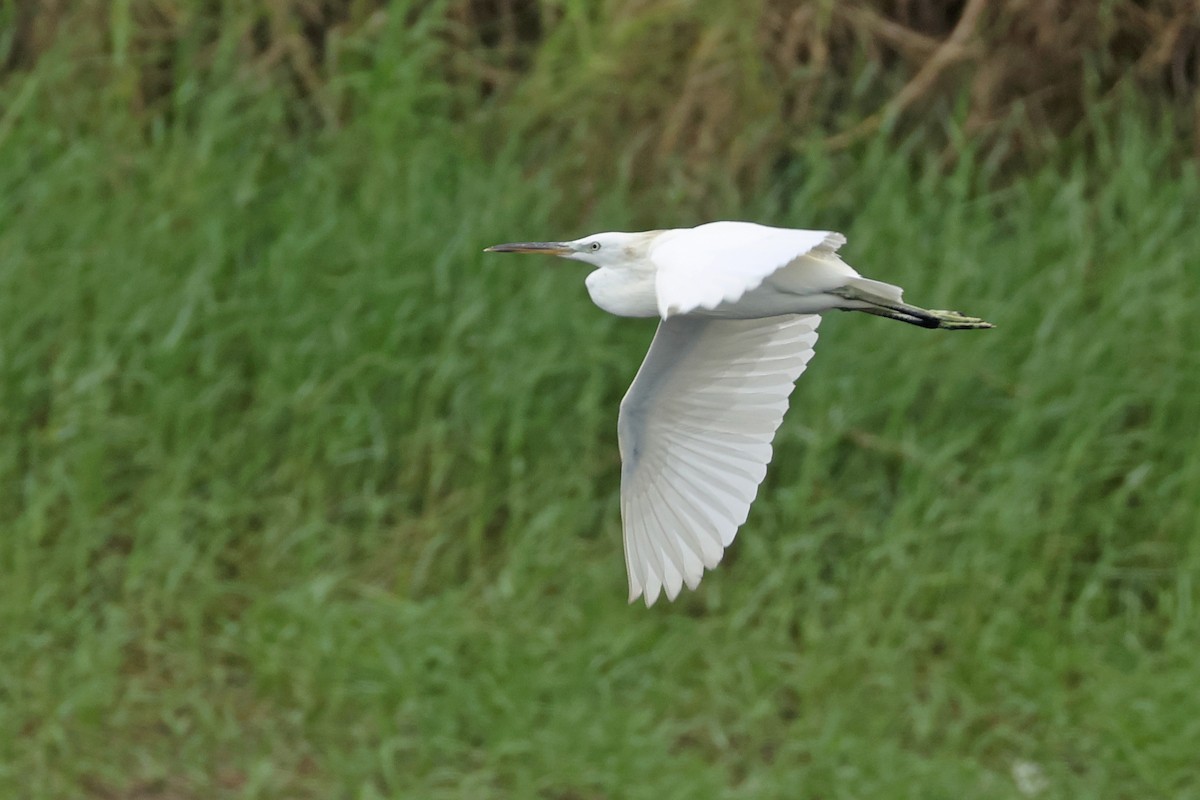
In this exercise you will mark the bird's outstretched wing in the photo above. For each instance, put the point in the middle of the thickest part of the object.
(705, 266)
(695, 432)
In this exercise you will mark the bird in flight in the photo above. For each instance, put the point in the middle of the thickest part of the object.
(738, 304)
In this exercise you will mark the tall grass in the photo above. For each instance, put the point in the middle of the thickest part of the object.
(302, 496)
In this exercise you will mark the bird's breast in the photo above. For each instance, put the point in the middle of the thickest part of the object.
(624, 293)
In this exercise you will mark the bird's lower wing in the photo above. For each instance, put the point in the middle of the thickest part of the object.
(695, 431)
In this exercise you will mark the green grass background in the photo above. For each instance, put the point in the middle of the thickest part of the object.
(304, 497)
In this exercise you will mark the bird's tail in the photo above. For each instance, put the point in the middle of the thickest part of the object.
(884, 300)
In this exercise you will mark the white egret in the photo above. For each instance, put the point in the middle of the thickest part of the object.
(739, 305)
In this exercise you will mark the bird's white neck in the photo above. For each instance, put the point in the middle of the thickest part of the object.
(626, 291)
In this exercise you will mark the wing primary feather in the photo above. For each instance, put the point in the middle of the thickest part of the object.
(633, 555)
(675, 531)
(751, 452)
(663, 541)
(707, 530)
(708, 500)
(653, 571)
(715, 479)
(750, 467)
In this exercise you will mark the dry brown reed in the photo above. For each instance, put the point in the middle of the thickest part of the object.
(675, 82)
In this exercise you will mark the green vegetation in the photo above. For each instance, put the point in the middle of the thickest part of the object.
(302, 496)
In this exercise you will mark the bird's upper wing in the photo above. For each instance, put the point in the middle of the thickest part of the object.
(695, 431)
(705, 266)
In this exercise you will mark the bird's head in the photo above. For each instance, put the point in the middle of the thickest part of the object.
(599, 249)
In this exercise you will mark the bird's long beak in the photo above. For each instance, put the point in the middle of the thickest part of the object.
(545, 248)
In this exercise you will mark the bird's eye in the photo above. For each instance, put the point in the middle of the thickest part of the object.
(594, 246)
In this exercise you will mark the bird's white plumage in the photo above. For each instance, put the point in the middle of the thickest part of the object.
(739, 304)
(695, 432)
(716, 263)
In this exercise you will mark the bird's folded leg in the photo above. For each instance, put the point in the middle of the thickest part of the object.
(881, 306)
(888, 313)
